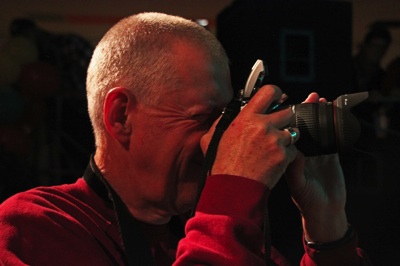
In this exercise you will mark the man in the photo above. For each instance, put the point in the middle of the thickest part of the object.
(369, 76)
(156, 84)
(368, 72)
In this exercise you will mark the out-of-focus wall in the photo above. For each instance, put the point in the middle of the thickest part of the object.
(91, 18)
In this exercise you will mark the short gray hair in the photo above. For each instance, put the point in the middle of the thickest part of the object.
(136, 53)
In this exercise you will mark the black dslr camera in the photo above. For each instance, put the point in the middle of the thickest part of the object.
(325, 128)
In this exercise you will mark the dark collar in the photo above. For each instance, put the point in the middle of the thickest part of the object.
(137, 248)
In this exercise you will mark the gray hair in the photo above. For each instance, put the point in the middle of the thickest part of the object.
(136, 53)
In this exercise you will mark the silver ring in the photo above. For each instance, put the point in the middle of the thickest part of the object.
(293, 135)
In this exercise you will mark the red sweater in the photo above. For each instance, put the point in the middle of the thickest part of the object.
(72, 225)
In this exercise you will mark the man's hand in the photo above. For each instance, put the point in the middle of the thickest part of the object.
(255, 145)
(318, 188)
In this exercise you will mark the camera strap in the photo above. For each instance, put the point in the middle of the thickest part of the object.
(230, 113)
(137, 248)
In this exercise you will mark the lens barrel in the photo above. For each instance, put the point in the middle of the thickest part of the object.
(328, 127)
(316, 123)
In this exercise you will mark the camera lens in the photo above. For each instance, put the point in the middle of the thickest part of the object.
(317, 128)
(329, 127)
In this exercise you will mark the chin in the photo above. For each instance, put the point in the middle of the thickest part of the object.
(187, 190)
(186, 203)
(161, 220)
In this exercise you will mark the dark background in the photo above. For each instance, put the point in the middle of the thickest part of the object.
(326, 34)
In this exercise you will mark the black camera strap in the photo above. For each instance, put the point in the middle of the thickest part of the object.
(230, 113)
(137, 248)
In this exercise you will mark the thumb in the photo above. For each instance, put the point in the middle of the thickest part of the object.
(295, 170)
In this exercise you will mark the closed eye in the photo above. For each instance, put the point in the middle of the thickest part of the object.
(207, 119)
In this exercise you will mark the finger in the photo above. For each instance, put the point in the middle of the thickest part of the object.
(281, 118)
(263, 99)
(292, 153)
(293, 134)
(312, 98)
(295, 170)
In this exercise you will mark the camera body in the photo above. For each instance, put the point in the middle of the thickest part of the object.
(325, 128)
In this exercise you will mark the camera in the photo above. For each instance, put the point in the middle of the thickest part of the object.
(325, 128)
(329, 127)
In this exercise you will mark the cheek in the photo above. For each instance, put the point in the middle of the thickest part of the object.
(195, 139)
(191, 150)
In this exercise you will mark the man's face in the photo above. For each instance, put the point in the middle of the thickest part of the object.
(166, 143)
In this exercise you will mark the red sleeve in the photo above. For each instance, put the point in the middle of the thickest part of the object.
(227, 226)
(227, 229)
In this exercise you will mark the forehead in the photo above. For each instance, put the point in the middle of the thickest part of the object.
(202, 77)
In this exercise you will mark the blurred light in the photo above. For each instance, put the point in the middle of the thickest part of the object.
(202, 22)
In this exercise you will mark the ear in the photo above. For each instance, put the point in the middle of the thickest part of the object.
(117, 103)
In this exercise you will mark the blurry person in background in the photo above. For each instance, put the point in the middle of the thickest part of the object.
(368, 72)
